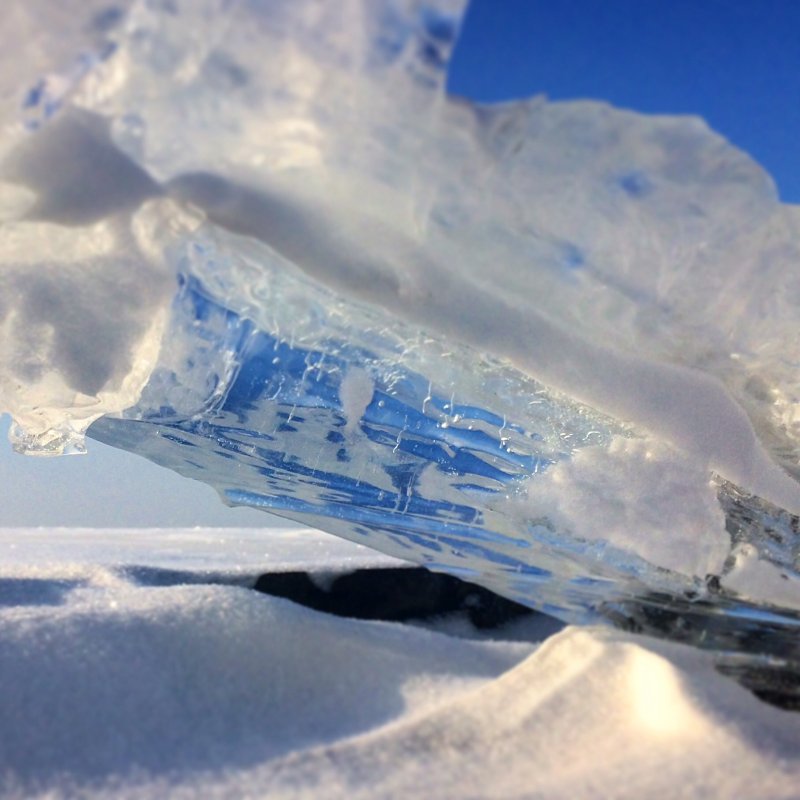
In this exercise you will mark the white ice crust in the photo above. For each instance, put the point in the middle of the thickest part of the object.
(640, 264)
(638, 496)
(83, 310)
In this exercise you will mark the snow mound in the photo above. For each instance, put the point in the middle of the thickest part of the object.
(216, 691)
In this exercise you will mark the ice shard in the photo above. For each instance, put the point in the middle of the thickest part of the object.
(552, 347)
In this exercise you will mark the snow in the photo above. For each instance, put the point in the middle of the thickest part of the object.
(627, 497)
(114, 687)
(756, 578)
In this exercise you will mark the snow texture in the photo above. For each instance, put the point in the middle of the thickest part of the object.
(629, 499)
(124, 686)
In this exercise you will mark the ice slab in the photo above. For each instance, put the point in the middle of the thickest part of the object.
(552, 347)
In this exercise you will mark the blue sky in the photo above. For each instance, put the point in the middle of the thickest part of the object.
(734, 62)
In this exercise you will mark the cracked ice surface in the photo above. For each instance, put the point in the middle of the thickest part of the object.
(553, 346)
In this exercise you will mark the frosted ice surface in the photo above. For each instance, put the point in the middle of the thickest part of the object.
(551, 346)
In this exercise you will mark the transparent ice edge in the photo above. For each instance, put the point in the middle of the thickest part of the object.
(329, 413)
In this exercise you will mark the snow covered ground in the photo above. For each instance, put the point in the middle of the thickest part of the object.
(139, 664)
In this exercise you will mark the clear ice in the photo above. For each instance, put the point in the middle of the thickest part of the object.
(550, 347)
